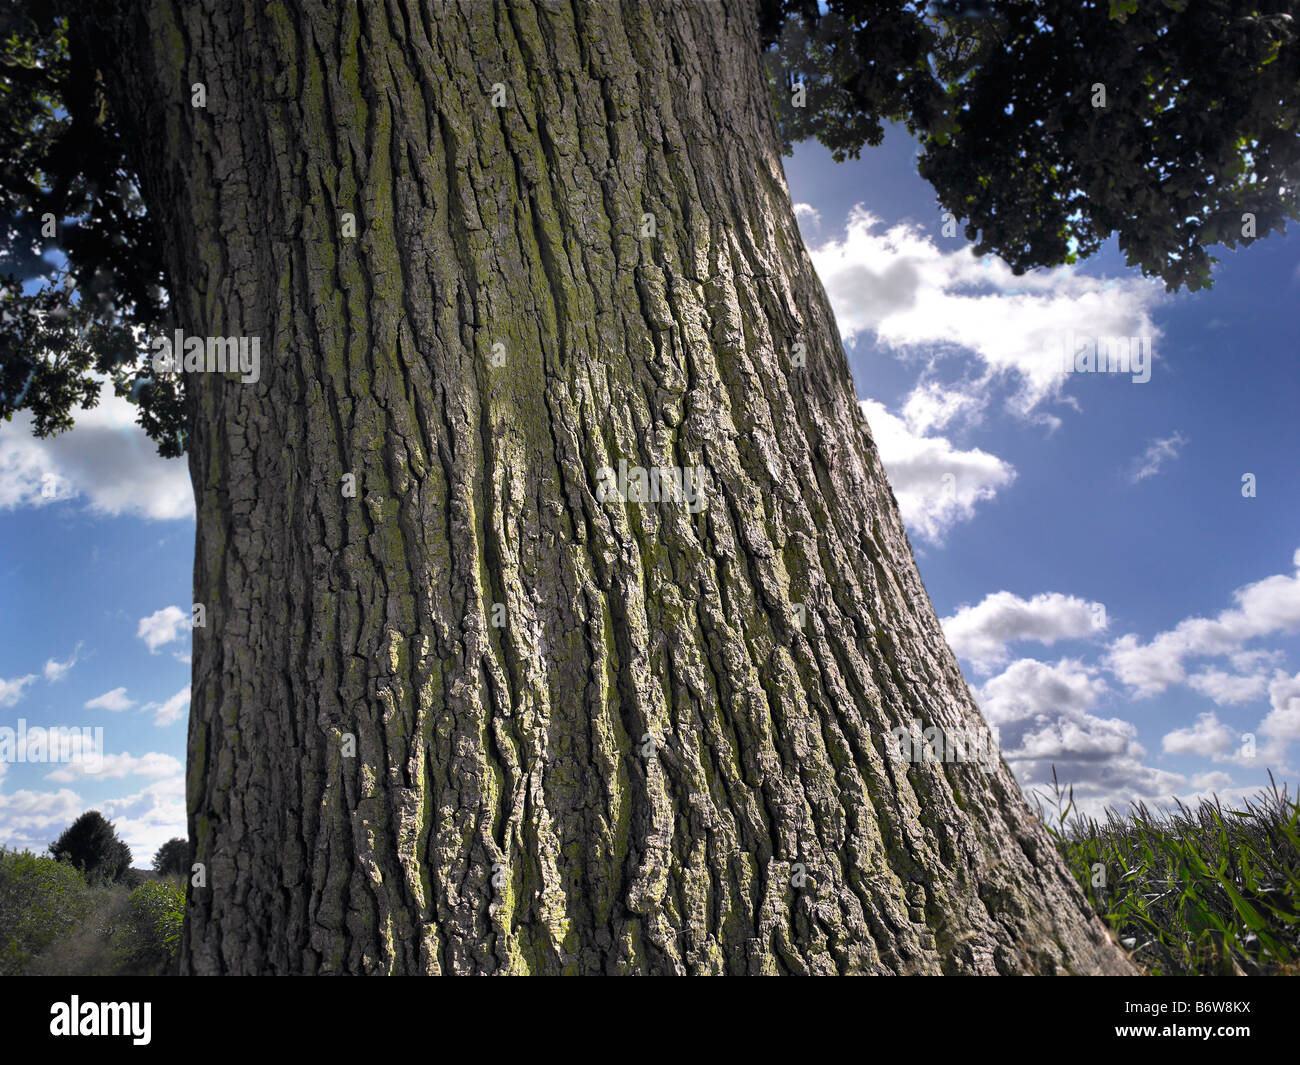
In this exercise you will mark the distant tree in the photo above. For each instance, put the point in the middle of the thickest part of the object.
(90, 843)
(173, 857)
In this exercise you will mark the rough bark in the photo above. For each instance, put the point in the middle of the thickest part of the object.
(504, 811)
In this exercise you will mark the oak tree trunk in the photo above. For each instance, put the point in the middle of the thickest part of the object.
(591, 735)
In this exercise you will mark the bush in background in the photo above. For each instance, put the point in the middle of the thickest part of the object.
(150, 933)
(41, 900)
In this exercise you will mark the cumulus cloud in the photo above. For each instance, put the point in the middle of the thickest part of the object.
(1228, 689)
(1086, 738)
(105, 459)
(32, 819)
(1208, 738)
(114, 700)
(937, 485)
(115, 766)
(163, 627)
(172, 710)
(150, 817)
(897, 284)
(980, 634)
(1029, 690)
(1264, 607)
(1283, 721)
(933, 406)
(1158, 452)
(12, 690)
(144, 820)
(1044, 720)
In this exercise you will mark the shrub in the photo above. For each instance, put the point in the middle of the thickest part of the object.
(149, 937)
(41, 900)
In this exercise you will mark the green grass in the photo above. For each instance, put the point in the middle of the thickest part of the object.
(1192, 892)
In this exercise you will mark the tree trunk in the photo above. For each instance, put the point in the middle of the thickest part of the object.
(592, 735)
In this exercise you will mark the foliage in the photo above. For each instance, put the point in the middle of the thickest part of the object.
(53, 923)
(79, 267)
(1194, 892)
(1199, 127)
(90, 844)
(41, 899)
(173, 858)
(150, 935)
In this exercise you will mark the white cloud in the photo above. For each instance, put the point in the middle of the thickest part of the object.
(114, 766)
(1042, 713)
(163, 627)
(1268, 606)
(1250, 661)
(1029, 690)
(936, 484)
(1086, 738)
(980, 634)
(149, 818)
(932, 406)
(1228, 689)
(1158, 452)
(898, 284)
(1208, 738)
(55, 671)
(105, 458)
(1283, 721)
(1215, 780)
(145, 820)
(34, 819)
(807, 211)
(114, 700)
(172, 710)
(12, 690)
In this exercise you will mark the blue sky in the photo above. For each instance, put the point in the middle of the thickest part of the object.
(1120, 609)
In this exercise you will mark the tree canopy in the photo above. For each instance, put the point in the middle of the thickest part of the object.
(172, 858)
(91, 844)
(1046, 126)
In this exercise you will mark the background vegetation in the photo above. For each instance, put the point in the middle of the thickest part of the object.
(1193, 892)
(89, 916)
